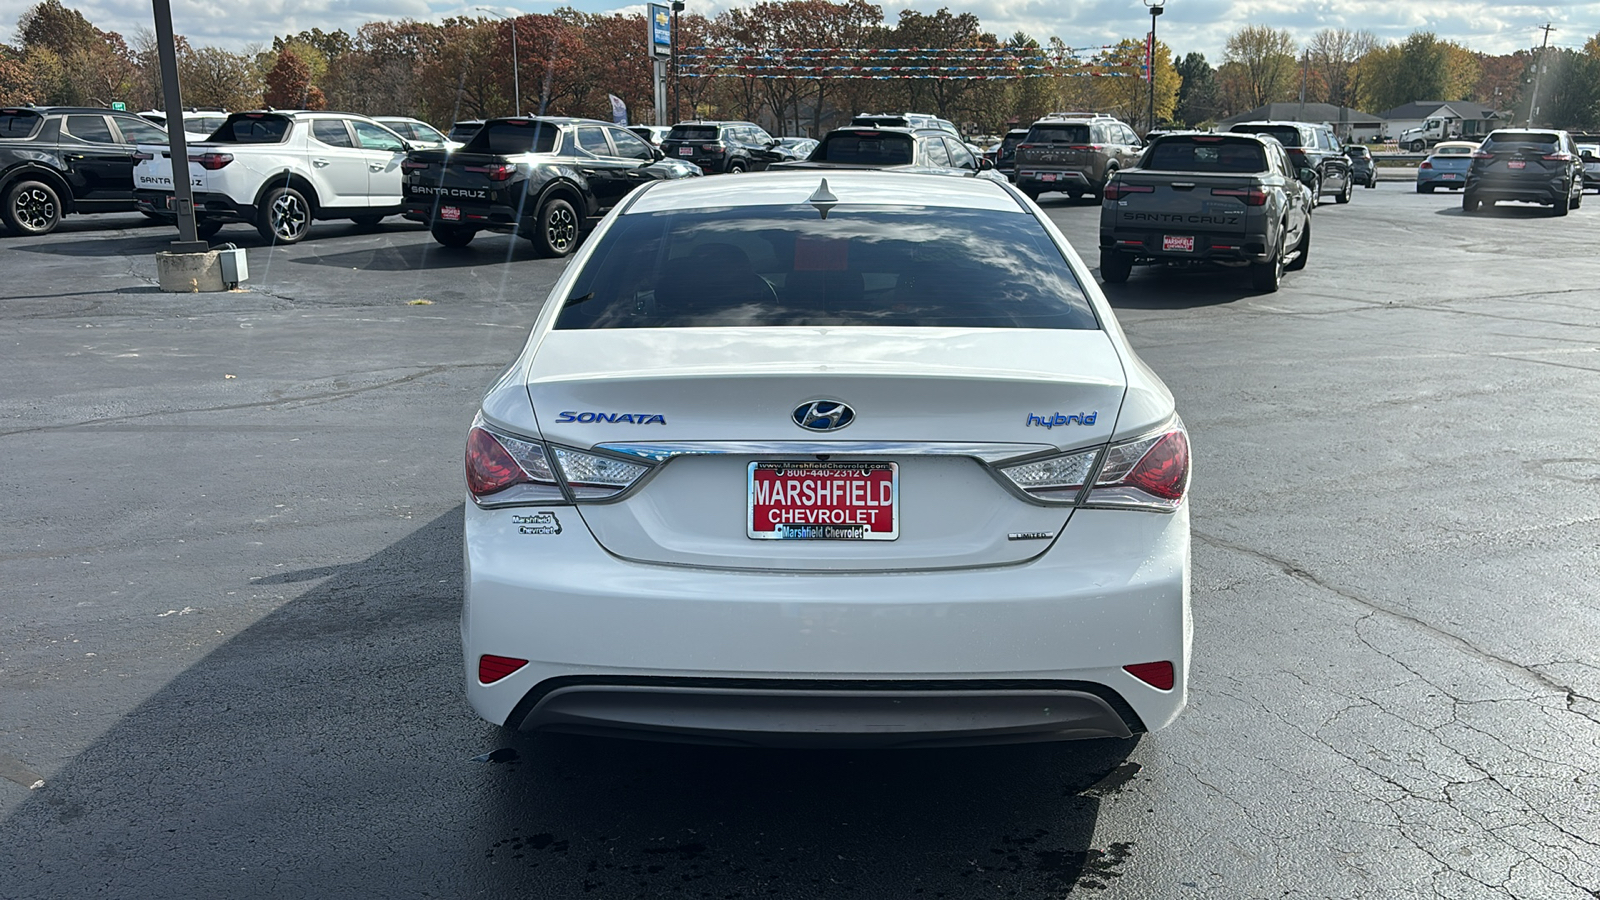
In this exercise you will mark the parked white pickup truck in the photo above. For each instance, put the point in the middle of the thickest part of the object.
(279, 171)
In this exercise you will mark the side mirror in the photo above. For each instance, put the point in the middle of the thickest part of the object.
(985, 164)
(1308, 177)
(406, 146)
(656, 153)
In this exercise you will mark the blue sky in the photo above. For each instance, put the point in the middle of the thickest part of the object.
(1187, 25)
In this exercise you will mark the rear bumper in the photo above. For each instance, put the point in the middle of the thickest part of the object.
(1052, 179)
(208, 206)
(1531, 190)
(1013, 653)
(1442, 179)
(484, 217)
(1147, 244)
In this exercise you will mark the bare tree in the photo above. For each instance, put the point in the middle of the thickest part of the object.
(1334, 53)
(1265, 59)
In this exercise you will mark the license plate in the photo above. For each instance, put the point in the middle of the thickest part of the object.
(1047, 178)
(1451, 177)
(450, 213)
(685, 151)
(1516, 164)
(1182, 242)
(823, 501)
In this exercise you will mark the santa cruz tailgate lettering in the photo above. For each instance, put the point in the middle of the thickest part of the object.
(431, 190)
(1192, 219)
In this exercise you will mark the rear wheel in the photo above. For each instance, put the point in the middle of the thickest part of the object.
(1075, 195)
(1469, 202)
(32, 207)
(1344, 195)
(1577, 200)
(284, 217)
(1033, 193)
(1266, 276)
(1302, 252)
(1424, 188)
(557, 231)
(452, 235)
(1115, 266)
(1560, 207)
(736, 168)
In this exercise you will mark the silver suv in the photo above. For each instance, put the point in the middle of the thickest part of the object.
(1074, 152)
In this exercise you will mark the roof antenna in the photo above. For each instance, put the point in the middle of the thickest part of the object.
(822, 200)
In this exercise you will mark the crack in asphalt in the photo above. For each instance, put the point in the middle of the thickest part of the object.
(256, 404)
(1460, 643)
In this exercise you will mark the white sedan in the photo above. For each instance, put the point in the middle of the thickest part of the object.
(794, 460)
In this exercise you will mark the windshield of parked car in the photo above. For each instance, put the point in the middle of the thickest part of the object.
(692, 133)
(862, 265)
(18, 123)
(509, 137)
(1522, 140)
(252, 128)
(1058, 134)
(1205, 153)
(874, 148)
(1287, 135)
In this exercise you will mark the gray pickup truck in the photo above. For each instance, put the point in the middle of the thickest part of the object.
(1227, 199)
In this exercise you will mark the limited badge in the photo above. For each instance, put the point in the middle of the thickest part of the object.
(538, 523)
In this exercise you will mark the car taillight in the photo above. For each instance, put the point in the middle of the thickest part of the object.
(1116, 191)
(492, 668)
(413, 165)
(1150, 473)
(1251, 196)
(1055, 478)
(713, 148)
(1482, 154)
(141, 156)
(496, 172)
(1425, 165)
(212, 161)
(504, 470)
(1561, 156)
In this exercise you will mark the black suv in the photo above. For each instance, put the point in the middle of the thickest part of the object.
(1310, 147)
(1535, 165)
(59, 160)
(1363, 168)
(720, 148)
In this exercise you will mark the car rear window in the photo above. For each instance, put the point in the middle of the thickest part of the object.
(1205, 154)
(18, 123)
(1069, 134)
(513, 136)
(463, 131)
(1287, 135)
(1358, 150)
(1513, 139)
(253, 128)
(862, 265)
(692, 133)
(875, 148)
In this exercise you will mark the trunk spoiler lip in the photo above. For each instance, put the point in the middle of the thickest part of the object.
(660, 451)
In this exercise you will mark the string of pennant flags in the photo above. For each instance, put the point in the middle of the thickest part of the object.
(890, 63)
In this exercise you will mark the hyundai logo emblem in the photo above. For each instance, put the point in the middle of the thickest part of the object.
(823, 415)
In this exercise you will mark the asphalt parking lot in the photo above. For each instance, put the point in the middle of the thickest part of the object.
(231, 573)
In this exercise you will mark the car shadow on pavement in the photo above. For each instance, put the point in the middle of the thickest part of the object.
(1173, 287)
(1500, 210)
(327, 750)
(487, 250)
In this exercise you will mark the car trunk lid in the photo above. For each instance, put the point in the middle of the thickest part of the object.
(934, 404)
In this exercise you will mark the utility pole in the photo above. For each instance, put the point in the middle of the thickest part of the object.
(516, 77)
(1305, 72)
(1533, 104)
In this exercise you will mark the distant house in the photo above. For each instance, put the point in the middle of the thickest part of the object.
(1474, 119)
(1349, 124)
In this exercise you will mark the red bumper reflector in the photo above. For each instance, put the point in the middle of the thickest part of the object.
(493, 668)
(1156, 674)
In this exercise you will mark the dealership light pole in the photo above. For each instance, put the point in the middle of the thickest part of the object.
(177, 145)
(1156, 9)
(677, 7)
(516, 78)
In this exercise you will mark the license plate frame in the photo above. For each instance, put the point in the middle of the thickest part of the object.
(685, 151)
(450, 213)
(1177, 243)
(1517, 164)
(852, 521)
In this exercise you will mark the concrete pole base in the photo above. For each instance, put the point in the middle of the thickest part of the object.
(189, 273)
